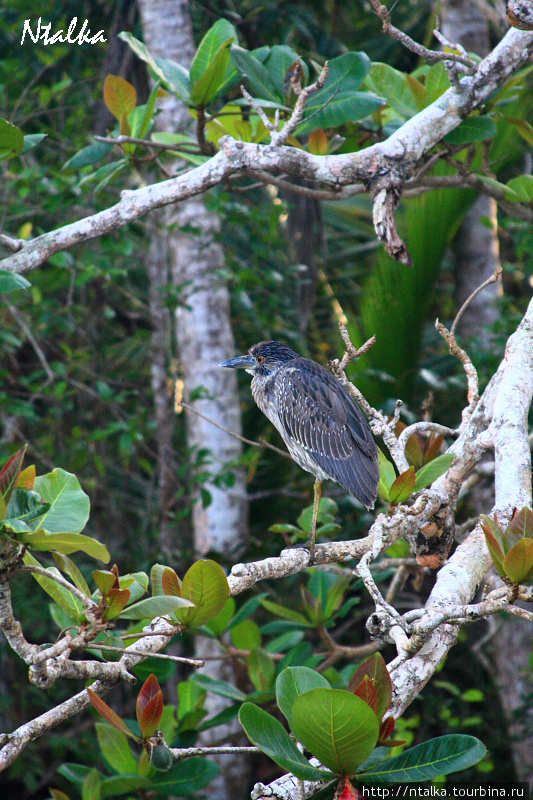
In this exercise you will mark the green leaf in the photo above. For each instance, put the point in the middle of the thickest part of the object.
(286, 613)
(280, 59)
(518, 563)
(271, 737)
(147, 115)
(142, 52)
(68, 566)
(344, 729)
(524, 129)
(65, 543)
(261, 669)
(87, 156)
(10, 281)
(523, 186)
(176, 78)
(430, 472)
(151, 607)
(221, 688)
(65, 599)
(403, 486)
(90, 789)
(115, 749)
(473, 129)
(191, 697)
(206, 585)
(69, 505)
(391, 84)
(326, 513)
(293, 682)
(206, 87)
(437, 81)
(186, 777)
(219, 35)
(439, 756)
(344, 107)
(11, 140)
(124, 784)
(218, 625)
(32, 140)
(261, 83)
(246, 635)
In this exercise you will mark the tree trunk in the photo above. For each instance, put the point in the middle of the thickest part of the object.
(204, 339)
(477, 255)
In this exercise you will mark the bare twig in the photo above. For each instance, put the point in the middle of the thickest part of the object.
(11, 243)
(470, 370)
(279, 138)
(185, 147)
(422, 427)
(193, 662)
(493, 278)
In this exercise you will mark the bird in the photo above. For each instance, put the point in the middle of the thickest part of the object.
(324, 429)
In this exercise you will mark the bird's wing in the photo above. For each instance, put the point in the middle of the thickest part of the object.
(320, 416)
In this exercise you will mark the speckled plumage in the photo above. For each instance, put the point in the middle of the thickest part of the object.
(323, 427)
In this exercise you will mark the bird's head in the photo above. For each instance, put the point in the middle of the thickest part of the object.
(263, 358)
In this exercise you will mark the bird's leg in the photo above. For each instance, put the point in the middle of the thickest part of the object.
(316, 505)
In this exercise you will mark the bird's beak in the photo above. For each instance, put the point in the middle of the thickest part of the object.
(241, 362)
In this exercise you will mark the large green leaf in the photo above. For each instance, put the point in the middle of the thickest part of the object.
(518, 563)
(115, 749)
(337, 727)
(65, 599)
(186, 777)
(473, 129)
(430, 472)
(439, 756)
(293, 682)
(218, 35)
(11, 140)
(87, 156)
(391, 84)
(346, 74)
(271, 737)
(69, 505)
(286, 613)
(172, 77)
(344, 107)
(261, 83)
(206, 585)
(130, 784)
(206, 87)
(281, 58)
(151, 607)
(221, 688)
(10, 281)
(176, 78)
(65, 543)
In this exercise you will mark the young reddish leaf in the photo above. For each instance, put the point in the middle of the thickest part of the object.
(109, 715)
(170, 582)
(492, 527)
(433, 447)
(116, 600)
(377, 671)
(26, 478)
(57, 794)
(345, 791)
(367, 692)
(10, 472)
(387, 727)
(120, 96)
(318, 142)
(518, 563)
(403, 486)
(494, 546)
(149, 706)
(414, 452)
(520, 527)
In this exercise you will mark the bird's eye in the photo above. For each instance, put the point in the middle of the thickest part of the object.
(260, 359)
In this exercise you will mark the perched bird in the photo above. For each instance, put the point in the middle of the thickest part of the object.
(323, 427)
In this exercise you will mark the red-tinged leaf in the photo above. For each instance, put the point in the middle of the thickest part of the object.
(57, 794)
(387, 727)
(433, 447)
(109, 715)
(494, 547)
(367, 692)
(518, 563)
(520, 527)
(10, 472)
(125, 130)
(345, 791)
(377, 671)
(120, 96)
(170, 582)
(403, 486)
(318, 142)
(116, 601)
(414, 452)
(149, 706)
(26, 478)
(493, 527)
